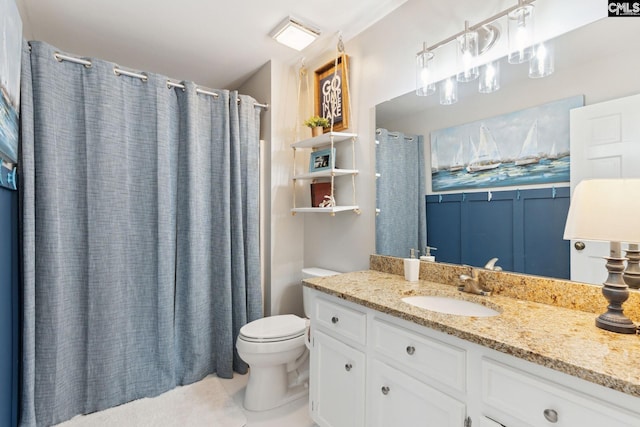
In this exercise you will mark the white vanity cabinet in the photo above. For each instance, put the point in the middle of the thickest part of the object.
(398, 399)
(408, 376)
(338, 365)
(338, 373)
(369, 368)
(517, 398)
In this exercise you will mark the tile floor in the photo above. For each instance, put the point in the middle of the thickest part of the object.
(293, 414)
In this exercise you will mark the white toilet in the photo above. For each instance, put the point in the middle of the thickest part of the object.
(275, 349)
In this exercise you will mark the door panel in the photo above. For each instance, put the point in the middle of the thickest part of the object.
(605, 143)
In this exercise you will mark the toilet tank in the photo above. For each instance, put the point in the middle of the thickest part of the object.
(306, 274)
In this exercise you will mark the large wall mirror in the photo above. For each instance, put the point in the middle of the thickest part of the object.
(598, 62)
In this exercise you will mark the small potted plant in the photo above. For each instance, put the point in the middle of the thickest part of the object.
(317, 123)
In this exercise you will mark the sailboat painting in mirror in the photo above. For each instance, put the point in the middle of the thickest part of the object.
(525, 147)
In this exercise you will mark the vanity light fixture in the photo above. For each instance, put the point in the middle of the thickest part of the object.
(424, 85)
(295, 34)
(542, 62)
(467, 54)
(489, 77)
(606, 210)
(474, 41)
(449, 91)
(521, 33)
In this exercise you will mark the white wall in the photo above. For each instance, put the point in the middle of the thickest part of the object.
(382, 67)
(259, 86)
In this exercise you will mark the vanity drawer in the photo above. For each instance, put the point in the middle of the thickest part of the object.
(342, 321)
(421, 355)
(522, 397)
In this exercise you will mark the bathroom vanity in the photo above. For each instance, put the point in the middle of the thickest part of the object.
(377, 361)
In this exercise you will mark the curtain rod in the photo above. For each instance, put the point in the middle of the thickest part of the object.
(394, 135)
(119, 71)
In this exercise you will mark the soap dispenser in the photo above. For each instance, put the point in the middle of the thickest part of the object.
(427, 254)
(412, 267)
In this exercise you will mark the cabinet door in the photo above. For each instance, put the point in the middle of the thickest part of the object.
(337, 383)
(527, 400)
(396, 399)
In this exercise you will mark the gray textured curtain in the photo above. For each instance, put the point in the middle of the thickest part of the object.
(400, 193)
(140, 240)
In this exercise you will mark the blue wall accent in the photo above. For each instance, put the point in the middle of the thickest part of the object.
(523, 228)
(9, 308)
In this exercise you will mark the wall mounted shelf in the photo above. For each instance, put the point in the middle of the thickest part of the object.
(326, 140)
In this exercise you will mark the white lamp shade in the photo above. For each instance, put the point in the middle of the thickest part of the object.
(606, 210)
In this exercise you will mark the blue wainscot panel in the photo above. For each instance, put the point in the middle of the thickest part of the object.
(523, 228)
(9, 307)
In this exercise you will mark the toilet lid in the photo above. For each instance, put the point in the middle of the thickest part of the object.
(274, 328)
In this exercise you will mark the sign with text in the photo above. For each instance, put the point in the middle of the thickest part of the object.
(331, 93)
(624, 8)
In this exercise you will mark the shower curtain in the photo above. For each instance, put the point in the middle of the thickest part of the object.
(140, 241)
(401, 222)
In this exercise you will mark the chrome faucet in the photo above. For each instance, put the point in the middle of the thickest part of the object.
(471, 284)
(491, 265)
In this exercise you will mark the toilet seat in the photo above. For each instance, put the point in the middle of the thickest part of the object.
(273, 329)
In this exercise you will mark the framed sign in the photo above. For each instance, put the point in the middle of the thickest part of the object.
(331, 94)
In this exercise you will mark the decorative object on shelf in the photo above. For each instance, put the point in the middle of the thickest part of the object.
(320, 190)
(329, 202)
(607, 210)
(477, 39)
(332, 93)
(317, 124)
(322, 160)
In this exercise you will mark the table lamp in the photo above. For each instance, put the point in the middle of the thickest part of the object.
(608, 210)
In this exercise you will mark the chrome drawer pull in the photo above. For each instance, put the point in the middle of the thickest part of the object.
(551, 415)
(385, 390)
(348, 367)
(334, 320)
(410, 350)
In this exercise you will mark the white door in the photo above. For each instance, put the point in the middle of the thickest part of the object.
(396, 399)
(605, 143)
(337, 385)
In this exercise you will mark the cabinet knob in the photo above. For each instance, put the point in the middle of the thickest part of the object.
(551, 415)
(579, 246)
(335, 320)
(410, 350)
(348, 367)
(385, 390)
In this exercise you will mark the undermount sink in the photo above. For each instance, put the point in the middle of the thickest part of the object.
(448, 305)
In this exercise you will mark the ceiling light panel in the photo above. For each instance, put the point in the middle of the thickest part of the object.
(294, 34)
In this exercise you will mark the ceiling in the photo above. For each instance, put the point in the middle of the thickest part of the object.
(217, 44)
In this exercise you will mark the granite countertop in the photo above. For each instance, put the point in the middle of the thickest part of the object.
(563, 339)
